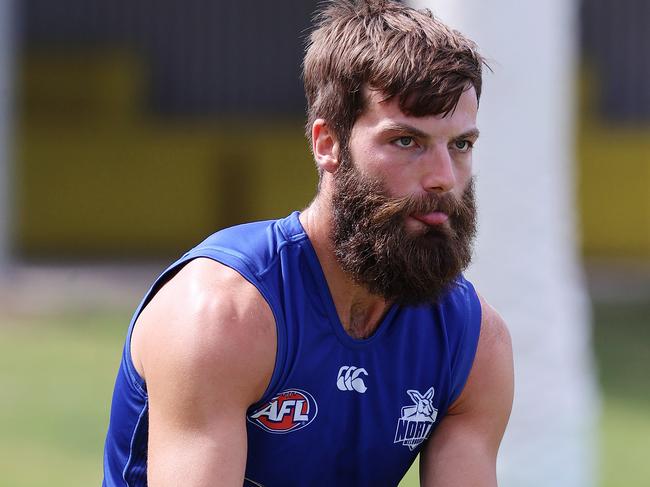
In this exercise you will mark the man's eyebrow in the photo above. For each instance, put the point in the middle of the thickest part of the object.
(470, 134)
(416, 132)
(404, 128)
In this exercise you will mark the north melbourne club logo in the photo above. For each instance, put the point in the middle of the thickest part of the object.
(349, 379)
(288, 411)
(416, 422)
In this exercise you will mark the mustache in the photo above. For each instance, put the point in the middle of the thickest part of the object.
(388, 208)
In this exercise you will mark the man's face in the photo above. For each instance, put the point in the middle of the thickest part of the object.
(404, 212)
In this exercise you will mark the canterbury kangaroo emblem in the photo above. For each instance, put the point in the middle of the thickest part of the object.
(348, 379)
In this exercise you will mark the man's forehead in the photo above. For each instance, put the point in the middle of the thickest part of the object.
(380, 110)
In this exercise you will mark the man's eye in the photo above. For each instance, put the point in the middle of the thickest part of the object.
(405, 142)
(463, 145)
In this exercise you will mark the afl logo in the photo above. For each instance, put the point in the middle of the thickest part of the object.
(288, 411)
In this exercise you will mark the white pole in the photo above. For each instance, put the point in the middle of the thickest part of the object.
(526, 260)
(6, 56)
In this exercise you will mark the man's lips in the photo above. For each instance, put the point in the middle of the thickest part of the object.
(433, 218)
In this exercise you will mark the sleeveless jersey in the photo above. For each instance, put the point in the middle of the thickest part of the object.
(338, 410)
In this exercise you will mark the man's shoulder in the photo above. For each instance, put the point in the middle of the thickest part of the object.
(219, 297)
(494, 336)
(464, 296)
(490, 382)
(210, 289)
(210, 294)
(203, 317)
(494, 330)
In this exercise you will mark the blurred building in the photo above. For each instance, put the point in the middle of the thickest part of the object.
(144, 125)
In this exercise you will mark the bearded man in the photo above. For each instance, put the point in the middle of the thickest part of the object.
(332, 346)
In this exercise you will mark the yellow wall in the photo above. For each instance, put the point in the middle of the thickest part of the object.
(95, 177)
(613, 183)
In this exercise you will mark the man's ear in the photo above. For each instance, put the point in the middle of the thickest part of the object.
(325, 146)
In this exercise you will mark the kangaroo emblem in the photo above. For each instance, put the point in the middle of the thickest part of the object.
(423, 409)
(416, 421)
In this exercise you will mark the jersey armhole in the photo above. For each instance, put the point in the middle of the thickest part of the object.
(467, 343)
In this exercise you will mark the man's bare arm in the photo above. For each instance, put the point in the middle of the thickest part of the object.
(463, 450)
(205, 346)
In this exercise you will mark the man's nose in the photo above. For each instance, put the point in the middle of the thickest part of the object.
(438, 170)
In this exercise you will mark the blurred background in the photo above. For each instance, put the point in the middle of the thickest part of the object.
(131, 130)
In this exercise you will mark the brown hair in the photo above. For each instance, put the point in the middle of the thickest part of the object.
(385, 46)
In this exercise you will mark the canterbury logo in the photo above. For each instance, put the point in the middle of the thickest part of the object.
(349, 380)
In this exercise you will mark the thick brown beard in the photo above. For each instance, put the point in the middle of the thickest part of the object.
(372, 245)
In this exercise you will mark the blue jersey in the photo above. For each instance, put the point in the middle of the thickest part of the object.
(338, 410)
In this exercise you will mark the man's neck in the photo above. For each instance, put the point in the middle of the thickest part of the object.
(359, 311)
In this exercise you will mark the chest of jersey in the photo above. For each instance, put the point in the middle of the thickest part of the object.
(348, 412)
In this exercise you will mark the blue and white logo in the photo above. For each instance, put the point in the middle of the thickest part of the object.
(349, 379)
(416, 422)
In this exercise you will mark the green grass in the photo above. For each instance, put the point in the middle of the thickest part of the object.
(625, 446)
(622, 344)
(56, 378)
